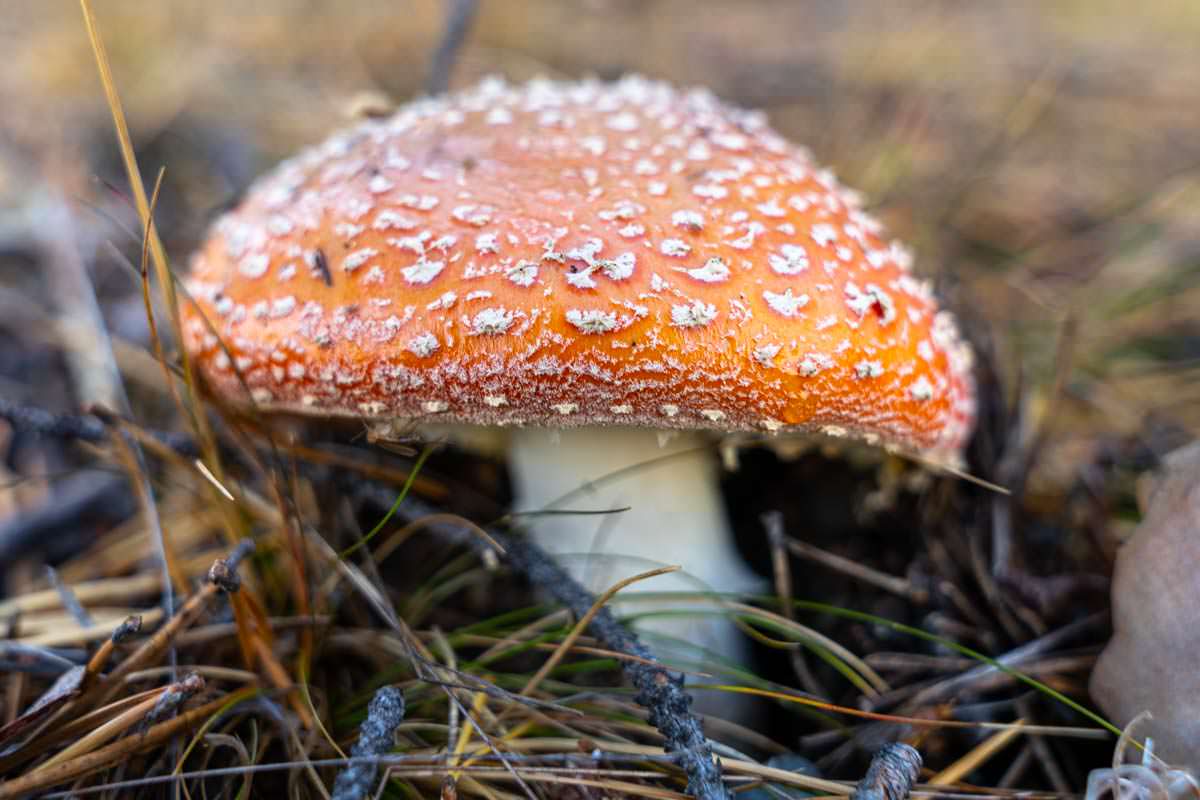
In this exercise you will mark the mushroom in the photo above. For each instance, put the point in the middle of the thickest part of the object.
(589, 265)
(1150, 664)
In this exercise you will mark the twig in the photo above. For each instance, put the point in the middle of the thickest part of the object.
(105, 591)
(773, 526)
(889, 583)
(32, 419)
(69, 600)
(87, 495)
(459, 16)
(377, 737)
(1041, 751)
(569, 640)
(173, 697)
(1013, 659)
(424, 666)
(140, 716)
(65, 687)
(891, 776)
(222, 577)
(131, 627)
(89, 352)
(978, 756)
(1016, 769)
(94, 428)
(658, 691)
(35, 660)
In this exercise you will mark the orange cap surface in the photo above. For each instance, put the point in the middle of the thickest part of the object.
(576, 254)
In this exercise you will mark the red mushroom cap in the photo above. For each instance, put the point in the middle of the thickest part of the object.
(576, 254)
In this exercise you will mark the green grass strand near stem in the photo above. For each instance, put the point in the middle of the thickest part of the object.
(408, 483)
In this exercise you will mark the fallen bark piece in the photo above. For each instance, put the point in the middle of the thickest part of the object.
(1150, 663)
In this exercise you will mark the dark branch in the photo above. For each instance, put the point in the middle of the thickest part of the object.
(891, 776)
(384, 715)
(459, 16)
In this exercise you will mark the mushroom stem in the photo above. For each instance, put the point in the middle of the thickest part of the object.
(674, 516)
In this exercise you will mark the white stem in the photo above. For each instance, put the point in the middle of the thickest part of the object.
(675, 516)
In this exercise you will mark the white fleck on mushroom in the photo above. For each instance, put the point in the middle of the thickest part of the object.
(592, 320)
(695, 314)
(713, 271)
(785, 302)
(674, 247)
(492, 321)
(255, 265)
(423, 271)
(689, 220)
(790, 260)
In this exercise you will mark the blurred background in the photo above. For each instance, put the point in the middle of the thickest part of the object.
(1042, 157)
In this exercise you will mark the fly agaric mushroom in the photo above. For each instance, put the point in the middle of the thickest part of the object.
(612, 259)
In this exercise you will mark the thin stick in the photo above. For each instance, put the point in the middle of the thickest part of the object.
(773, 526)
(891, 776)
(69, 601)
(977, 757)
(149, 710)
(854, 569)
(131, 627)
(384, 715)
(459, 16)
(565, 646)
(221, 578)
(658, 691)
